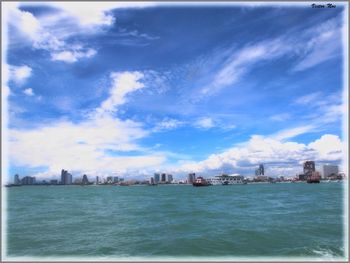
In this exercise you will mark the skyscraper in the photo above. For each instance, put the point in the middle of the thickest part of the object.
(97, 180)
(169, 178)
(156, 178)
(309, 167)
(85, 180)
(66, 178)
(17, 180)
(261, 169)
(191, 178)
(163, 178)
(329, 170)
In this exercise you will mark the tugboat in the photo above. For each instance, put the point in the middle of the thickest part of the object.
(200, 181)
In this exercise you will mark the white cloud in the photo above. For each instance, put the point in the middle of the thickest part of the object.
(28, 92)
(95, 145)
(280, 158)
(204, 123)
(72, 56)
(83, 146)
(312, 98)
(280, 117)
(19, 74)
(168, 124)
(323, 45)
(293, 132)
(123, 83)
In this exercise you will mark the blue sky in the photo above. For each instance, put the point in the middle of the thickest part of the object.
(131, 89)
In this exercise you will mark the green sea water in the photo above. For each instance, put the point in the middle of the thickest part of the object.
(282, 219)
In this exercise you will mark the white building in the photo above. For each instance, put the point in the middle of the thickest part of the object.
(328, 170)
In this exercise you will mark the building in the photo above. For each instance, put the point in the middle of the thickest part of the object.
(169, 178)
(330, 170)
(54, 181)
(191, 178)
(109, 179)
(163, 178)
(261, 169)
(97, 180)
(156, 178)
(66, 178)
(309, 167)
(115, 179)
(28, 180)
(152, 181)
(17, 180)
(85, 180)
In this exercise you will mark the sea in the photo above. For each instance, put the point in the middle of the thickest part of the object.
(252, 221)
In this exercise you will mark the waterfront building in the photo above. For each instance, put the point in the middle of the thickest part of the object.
(109, 179)
(191, 178)
(163, 178)
(85, 179)
(115, 179)
(54, 181)
(66, 178)
(97, 180)
(261, 169)
(169, 178)
(156, 178)
(28, 180)
(309, 167)
(17, 180)
(330, 170)
(152, 181)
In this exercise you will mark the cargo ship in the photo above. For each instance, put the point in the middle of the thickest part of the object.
(200, 181)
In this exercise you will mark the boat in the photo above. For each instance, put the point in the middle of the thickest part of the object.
(313, 179)
(200, 181)
(226, 179)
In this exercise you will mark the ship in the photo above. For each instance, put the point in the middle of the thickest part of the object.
(226, 179)
(313, 179)
(200, 181)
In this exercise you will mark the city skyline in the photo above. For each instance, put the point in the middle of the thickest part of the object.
(138, 88)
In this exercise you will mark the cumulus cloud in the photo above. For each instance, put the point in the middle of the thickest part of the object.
(95, 145)
(19, 74)
(168, 124)
(123, 83)
(205, 123)
(47, 33)
(28, 92)
(72, 56)
(279, 157)
(81, 146)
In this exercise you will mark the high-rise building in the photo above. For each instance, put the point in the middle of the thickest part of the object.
(97, 180)
(261, 169)
(169, 178)
(66, 178)
(163, 178)
(85, 180)
(191, 178)
(151, 180)
(115, 179)
(309, 167)
(28, 180)
(17, 180)
(329, 170)
(109, 179)
(156, 178)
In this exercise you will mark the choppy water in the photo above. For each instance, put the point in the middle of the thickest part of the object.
(285, 220)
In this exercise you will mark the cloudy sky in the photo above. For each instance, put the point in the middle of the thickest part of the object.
(133, 88)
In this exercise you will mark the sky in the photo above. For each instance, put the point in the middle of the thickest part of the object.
(130, 89)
